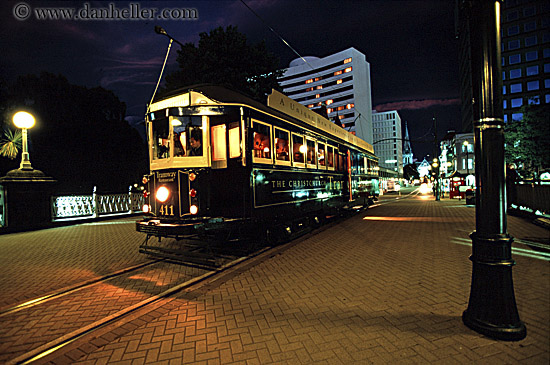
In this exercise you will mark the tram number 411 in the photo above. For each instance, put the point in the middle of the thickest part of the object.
(166, 210)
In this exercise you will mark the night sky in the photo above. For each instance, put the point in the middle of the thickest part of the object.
(410, 45)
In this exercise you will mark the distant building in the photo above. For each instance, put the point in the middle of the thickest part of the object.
(388, 145)
(340, 81)
(457, 156)
(408, 156)
(525, 55)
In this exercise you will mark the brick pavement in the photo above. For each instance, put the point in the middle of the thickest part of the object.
(40, 262)
(386, 286)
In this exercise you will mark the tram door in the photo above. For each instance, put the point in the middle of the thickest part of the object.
(229, 182)
(348, 173)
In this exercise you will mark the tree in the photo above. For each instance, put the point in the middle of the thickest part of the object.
(527, 140)
(81, 137)
(225, 57)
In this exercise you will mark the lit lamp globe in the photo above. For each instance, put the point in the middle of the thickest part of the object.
(24, 121)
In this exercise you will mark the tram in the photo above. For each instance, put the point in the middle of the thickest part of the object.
(225, 165)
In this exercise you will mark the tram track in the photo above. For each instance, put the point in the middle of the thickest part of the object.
(73, 288)
(55, 347)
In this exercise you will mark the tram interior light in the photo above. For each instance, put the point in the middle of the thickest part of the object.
(145, 208)
(193, 209)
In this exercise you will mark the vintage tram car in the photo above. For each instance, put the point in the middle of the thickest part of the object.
(226, 165)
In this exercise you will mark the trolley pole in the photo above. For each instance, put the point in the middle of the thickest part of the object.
(492, 307)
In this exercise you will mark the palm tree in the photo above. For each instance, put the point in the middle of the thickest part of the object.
(10, 144)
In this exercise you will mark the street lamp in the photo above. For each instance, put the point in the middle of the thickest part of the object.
(466, 143)
(437, 187)
(24, 121)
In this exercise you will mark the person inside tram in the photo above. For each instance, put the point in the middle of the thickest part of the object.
(178, 147)
(195, 143)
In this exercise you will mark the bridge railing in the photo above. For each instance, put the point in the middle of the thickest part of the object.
(95, 205)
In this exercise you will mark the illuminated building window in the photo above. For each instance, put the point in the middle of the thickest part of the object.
(319, 87)
(339, 82)
(347, 60)
(516, 103)
(329, 110)
(317, 96)
(515, 88)
(338, 73)
(513, 59)
(309, 81)
(309, 89)
(330, 101)
(318, 78)
(347, 69)
(349, 106)
(310, 106)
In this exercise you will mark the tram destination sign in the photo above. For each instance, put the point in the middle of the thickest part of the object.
(283, 103)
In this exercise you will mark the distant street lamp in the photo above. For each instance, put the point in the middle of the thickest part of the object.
(466, 143)
(24, 121)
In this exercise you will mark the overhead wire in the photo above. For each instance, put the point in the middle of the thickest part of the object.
(277, 34)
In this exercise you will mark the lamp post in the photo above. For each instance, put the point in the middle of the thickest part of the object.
(435, 165)
(466, 143)
(492, 308)
(24, 121)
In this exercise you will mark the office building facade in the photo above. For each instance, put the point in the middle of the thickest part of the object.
(525, 28)
(341, 82)
(525, 50)
(388, 140)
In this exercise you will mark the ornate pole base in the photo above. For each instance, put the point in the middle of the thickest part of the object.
(492, 308)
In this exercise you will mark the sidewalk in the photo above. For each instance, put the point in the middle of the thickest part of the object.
(386, 286)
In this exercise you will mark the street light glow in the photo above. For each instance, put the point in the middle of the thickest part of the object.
(23, 120)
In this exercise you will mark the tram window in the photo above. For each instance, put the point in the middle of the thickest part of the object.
(262, 141)
(340, 162)
(298, 149)
(330, 157)
(218, 143)
(161, 141)
(234, 140)
(311, 156)
(281, 146)
(321, 155)
(187, 136)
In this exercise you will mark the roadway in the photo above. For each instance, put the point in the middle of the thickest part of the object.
(386, 285)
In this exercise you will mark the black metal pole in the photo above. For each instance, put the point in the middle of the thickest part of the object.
(492, 307)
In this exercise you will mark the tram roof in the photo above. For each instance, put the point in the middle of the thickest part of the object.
(224, 95)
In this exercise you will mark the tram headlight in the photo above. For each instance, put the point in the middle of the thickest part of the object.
(162, 194)
(193, 209)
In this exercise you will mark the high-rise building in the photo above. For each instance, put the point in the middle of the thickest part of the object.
(341, 82)
(388, 145)
(525, 28)
(525, 50)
